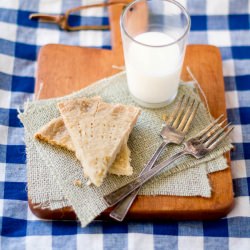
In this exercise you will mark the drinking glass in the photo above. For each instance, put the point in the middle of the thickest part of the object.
(154, 36)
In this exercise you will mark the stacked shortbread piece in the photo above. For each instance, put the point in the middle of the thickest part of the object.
(97, 132)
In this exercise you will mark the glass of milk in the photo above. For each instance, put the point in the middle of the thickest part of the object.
(154, 36)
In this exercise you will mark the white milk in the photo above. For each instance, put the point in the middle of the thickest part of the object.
(153, 72)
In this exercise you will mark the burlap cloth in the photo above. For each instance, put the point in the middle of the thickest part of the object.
(52, 170)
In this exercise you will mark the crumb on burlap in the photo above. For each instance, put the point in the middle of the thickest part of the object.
(164, 117)
(78, 183)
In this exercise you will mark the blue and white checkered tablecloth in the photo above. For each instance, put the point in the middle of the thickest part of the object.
(223, 23)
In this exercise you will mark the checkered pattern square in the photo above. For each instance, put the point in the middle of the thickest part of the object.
(224, 23)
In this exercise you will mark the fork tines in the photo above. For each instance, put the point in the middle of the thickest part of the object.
(212, 135)
(184, 113)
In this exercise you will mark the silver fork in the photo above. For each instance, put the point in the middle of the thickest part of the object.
(198, 147)
(174, 131)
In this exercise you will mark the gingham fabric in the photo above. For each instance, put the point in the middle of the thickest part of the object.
(223, 23)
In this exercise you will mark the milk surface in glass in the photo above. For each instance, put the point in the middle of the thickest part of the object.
(153, 72)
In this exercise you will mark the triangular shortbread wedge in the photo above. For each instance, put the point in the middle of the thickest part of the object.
(55, 133)
(98, 130)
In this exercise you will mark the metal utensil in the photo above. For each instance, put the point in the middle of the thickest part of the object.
(198, 147)
(174, 131)
(63, 20)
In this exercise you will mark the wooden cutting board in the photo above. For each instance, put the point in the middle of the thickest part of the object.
(63, 69)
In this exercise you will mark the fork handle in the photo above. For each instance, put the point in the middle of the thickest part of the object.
(120, 211)
(118, 195)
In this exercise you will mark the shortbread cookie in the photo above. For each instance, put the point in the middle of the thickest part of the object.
(98, 130)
